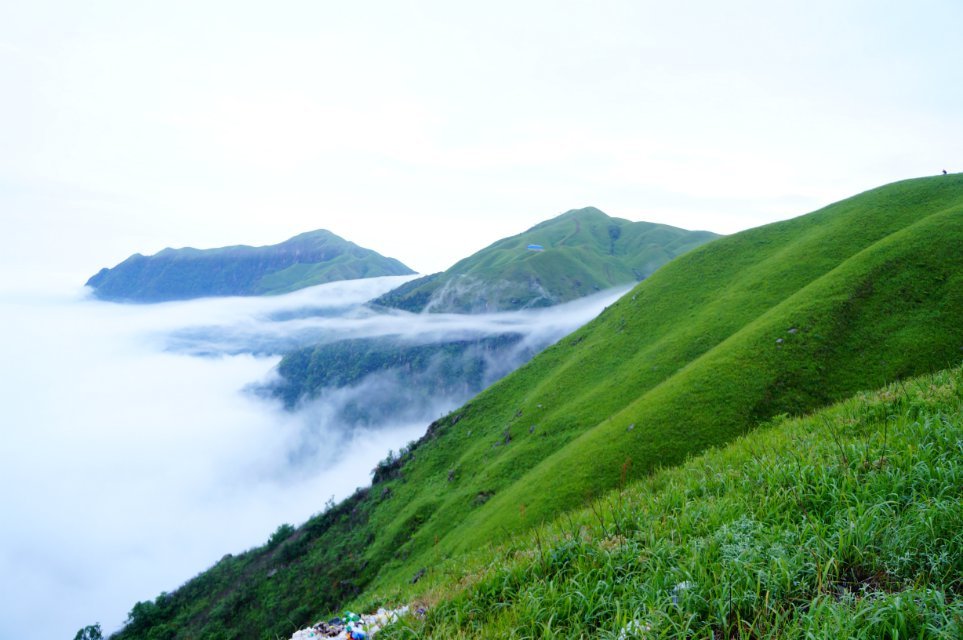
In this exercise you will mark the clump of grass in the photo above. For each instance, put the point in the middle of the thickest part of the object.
(846, 523)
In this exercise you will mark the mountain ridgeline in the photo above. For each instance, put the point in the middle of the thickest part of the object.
(308, 259)
(781, 319)
(573, 255)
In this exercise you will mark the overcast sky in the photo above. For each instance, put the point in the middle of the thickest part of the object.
(427, 130)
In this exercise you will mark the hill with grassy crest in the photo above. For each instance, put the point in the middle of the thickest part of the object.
(308, 259)
(570, 256)
(740, 332)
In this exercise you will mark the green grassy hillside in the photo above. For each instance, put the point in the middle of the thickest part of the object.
(582, 252)
(847, 523)
(777, 320)
(305, 260)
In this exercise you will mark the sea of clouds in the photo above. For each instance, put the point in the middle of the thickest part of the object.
(135, 453)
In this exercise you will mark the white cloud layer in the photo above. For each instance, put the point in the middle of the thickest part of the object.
(130, 464)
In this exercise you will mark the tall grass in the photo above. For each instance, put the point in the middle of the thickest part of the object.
(847, 523)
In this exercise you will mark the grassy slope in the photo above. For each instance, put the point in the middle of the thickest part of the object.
(585, 251)
(307, 259)
(844, 524)
(872, 286)
(860, 293)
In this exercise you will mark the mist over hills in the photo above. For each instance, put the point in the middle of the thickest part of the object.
(462, 366)
(781, 319)
(355, 367)
(154, 410)
(447, 355)
(311, 258)
(572, 255)
(582, 252)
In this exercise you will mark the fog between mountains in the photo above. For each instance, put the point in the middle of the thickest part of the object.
(136, 455)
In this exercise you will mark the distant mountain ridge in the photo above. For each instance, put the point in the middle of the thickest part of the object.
(570, 256)
(307, 259)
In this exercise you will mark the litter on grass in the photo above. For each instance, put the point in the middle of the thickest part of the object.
(351, 626)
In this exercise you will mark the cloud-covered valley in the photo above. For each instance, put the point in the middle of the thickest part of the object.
(137, 452)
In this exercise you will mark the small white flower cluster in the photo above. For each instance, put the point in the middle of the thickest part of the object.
(679, 589)
(634, 629)
(638, 629)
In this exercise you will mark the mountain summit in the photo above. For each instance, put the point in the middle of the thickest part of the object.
(308, 259)
(572, 255)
